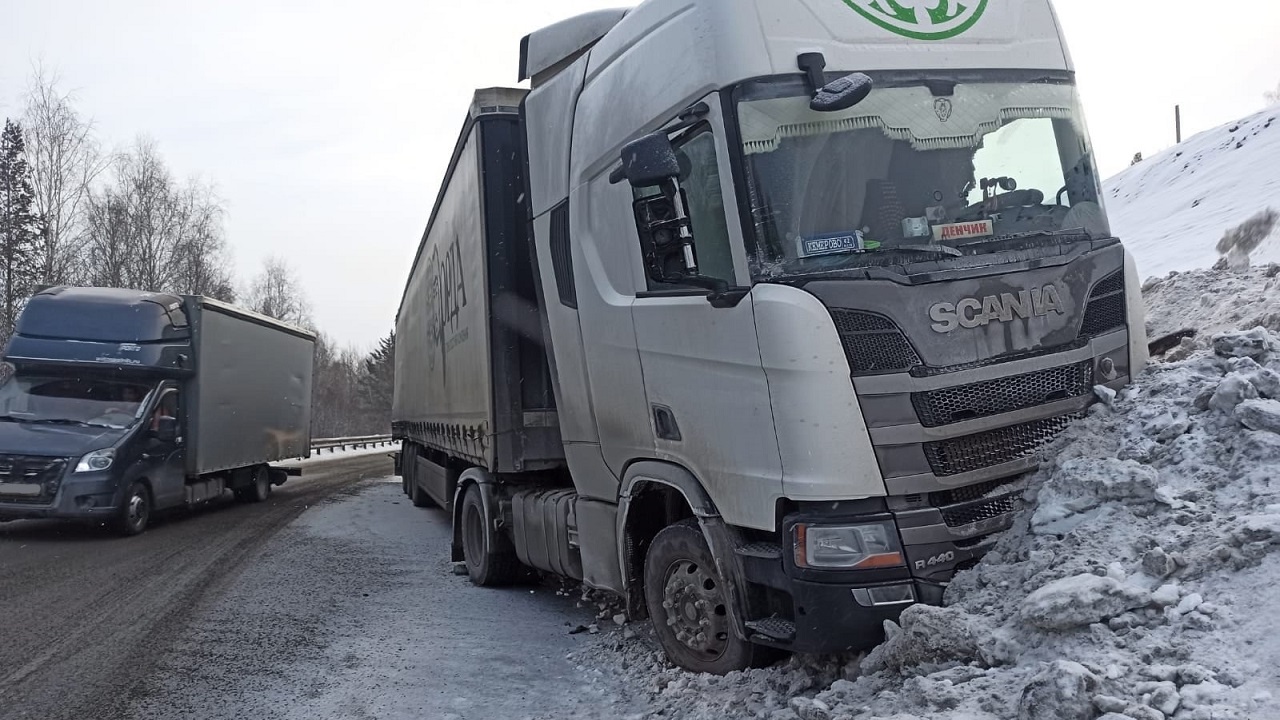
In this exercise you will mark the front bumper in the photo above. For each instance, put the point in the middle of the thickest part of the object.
(84, 496)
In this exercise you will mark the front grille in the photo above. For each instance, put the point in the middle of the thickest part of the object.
(977, 512)
(1106, 310)
(873, 344)
(1104, 315)
(924, 372)
(1110, 285)
(969, 493)
(994, 397)
(30, 470)
(996, 447)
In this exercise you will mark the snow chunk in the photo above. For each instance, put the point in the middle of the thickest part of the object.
(1259, 415)
(1080, 600)
(927, 635)
(1062, 691)
(1232, 391)
(1256, 343)
(1083, 484)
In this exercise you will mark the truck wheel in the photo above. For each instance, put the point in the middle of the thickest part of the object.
(134, 512)
(491, 559)
(260, 490)
(688, 602)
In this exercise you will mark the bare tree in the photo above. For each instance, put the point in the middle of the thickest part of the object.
(145, 231)
(276, 292)
(64, 160)
(201, 259)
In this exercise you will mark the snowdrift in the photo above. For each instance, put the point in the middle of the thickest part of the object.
(1171, 209)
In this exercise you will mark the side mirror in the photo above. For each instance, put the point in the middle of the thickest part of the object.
(842, 94)
(166, 430)
(649, 161)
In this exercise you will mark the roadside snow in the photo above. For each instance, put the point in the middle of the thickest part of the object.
(1172, 209)
(1138, 583)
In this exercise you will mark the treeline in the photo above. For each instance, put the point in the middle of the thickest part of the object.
(72, 213)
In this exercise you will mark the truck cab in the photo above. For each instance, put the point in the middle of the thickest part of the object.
(819, 279)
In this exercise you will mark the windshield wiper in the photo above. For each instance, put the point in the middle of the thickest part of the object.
(1075, 235)
(64, 421)
(15, 419)
(943, 250)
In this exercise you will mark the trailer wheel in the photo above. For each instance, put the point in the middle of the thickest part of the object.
(135, 511)
(260, 490)
(688, 602)
(490, 557)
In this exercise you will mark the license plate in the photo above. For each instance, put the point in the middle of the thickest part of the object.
(20, 490)
(830, 244)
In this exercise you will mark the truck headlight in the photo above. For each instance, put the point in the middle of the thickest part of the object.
(96, 461)
(848, 547)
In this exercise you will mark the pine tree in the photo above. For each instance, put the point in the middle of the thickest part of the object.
(19, 229)
(377, 383)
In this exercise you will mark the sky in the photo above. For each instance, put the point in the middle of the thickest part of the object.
(327, 126)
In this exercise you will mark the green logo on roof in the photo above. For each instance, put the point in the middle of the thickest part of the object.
(921, 19)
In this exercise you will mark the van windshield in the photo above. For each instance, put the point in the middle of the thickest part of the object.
(72, 401)
(919, 168)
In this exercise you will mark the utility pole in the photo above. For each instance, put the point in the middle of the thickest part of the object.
(1177, 118)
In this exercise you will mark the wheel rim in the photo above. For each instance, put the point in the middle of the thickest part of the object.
(137, 512)
(473, 535)
(695, 608)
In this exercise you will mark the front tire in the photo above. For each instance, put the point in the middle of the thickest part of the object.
(689, 604)
(490, 557)
(135, 511)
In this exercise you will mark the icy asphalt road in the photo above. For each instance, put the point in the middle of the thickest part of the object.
(333, 600)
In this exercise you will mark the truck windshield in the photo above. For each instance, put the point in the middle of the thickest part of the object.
(72, 401)
(921, 163)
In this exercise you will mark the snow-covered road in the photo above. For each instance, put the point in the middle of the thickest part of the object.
(353, 612)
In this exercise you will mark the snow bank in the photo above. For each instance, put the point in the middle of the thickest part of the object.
(1172, 209)
(1138, 583)
(1214, 300)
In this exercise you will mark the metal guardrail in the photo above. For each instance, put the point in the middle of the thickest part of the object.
(333, 445)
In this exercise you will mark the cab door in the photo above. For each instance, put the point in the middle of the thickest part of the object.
(163, 457)
(703, 377)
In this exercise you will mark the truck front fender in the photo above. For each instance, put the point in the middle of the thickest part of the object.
(488, 496)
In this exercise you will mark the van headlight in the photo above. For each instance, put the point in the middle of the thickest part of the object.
(848, 547)
(96, 461)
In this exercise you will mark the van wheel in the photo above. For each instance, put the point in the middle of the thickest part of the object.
(260, 490)
(135, 511)
(491, 559)
(689, 604)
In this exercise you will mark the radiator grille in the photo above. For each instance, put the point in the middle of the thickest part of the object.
(994, 397)
(996, 447)
(977, 512)
(873, 344)
(1106, 311)
(30, 470)
(1110, 285)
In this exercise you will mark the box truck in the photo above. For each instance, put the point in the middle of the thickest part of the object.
(755, 312)
(121, 404)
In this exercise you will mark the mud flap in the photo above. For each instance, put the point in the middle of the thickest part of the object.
(1161, 345)
(723, 542)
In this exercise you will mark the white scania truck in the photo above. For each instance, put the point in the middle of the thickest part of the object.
(754, 312)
